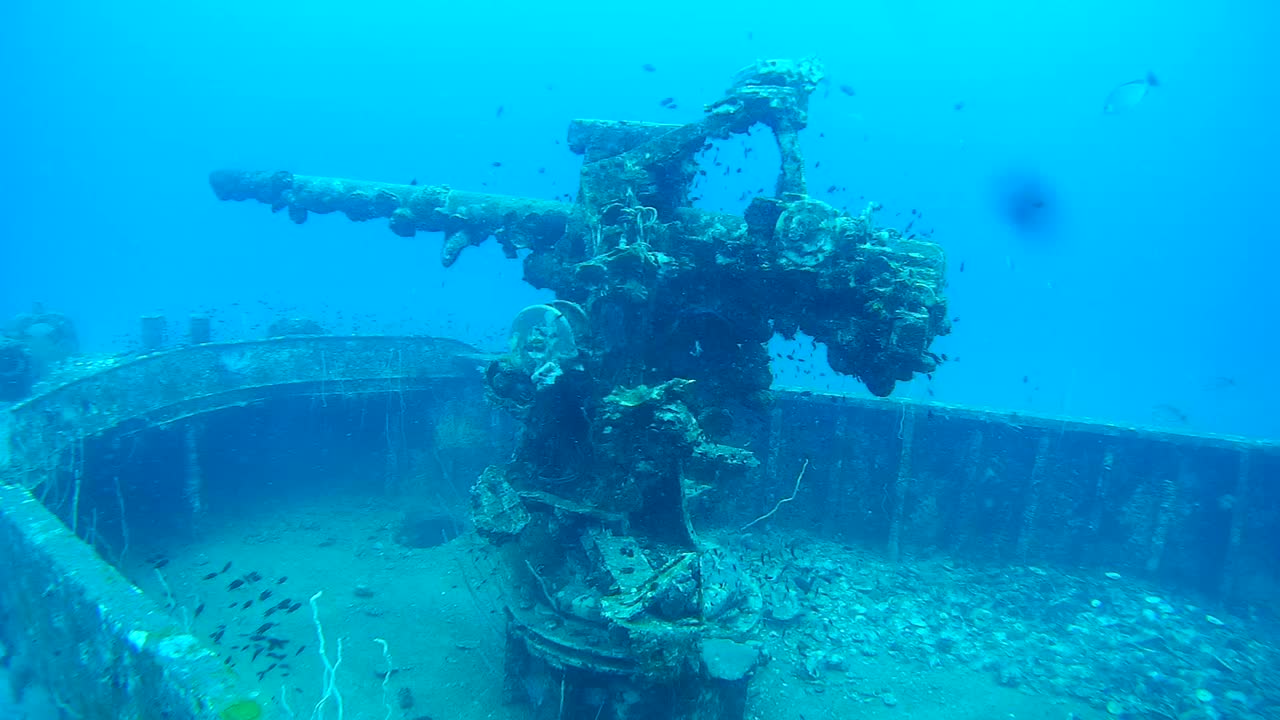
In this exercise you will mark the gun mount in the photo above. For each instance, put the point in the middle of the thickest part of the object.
(626, 386)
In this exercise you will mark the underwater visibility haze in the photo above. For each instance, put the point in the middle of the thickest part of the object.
(408, 359)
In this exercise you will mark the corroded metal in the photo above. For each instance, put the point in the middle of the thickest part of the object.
(628, 386)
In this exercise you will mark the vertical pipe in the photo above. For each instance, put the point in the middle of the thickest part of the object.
(968, 500)
(906, 433)
(775, 450)
(1166, 507)
(193, 485)
(835, 507)
(1101, 488)
(1235, 533)
(1032, 506)
(392, 457)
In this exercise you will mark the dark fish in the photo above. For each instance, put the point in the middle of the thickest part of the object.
(413, 181)
(961, 266)
(1168, 413)
(1126, 96)
(253, 576)
(247, 604)
(284, 604)
(496, 163)
(235, 584)
(264, 627)
(282, 579)
(300, 649)
(265, 594)
(648, 68)
(501, 109)
(199, 609)
(161, 563)
(225, 567)
(1026, 201)
(210, 576)
(848, 90)
(959, 105)
(667, 102)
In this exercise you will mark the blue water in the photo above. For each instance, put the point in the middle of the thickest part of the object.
(1151, 287)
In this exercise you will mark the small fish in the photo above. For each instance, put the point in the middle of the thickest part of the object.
(265, 594)
(247, 604)
(961, 266)
(199, 609)
(282, 579)
(1169, 414)
(501, 109)
(848, 90)
(413, 181)
(300, 649)
(959, 105)
(235, 584)
(161, 563)
(1126, 96)
(225, 567)
(210, 576)
(253, 577)
(647, 67)
(667, 102)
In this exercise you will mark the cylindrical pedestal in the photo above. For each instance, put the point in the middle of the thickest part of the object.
(199, 329)
(154, 331)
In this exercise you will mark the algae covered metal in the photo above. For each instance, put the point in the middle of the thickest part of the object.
(635, 390)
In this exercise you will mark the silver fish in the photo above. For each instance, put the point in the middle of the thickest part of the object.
(1126, 96)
